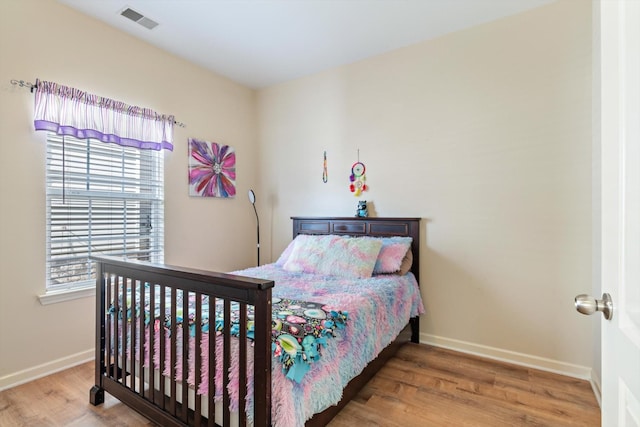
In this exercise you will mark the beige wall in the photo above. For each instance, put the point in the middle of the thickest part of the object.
(46, 40)
(486, 135)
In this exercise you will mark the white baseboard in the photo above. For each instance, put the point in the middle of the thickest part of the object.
(21, 377)
(596, 386)
(544, 364)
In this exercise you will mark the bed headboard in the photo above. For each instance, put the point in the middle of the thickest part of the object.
(354, 226)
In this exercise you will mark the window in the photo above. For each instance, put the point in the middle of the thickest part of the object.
(102, 199)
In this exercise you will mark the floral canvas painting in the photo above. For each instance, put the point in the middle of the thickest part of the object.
(212, 169)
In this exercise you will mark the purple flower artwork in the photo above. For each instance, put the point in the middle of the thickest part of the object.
(212, 169)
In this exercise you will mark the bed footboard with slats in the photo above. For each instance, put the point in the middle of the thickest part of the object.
(149, 327)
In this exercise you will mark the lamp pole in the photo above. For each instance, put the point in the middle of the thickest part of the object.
(252, 199)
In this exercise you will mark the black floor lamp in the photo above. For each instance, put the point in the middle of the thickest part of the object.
(252, 199)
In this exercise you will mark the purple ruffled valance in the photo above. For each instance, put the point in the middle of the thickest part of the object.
(68, 111)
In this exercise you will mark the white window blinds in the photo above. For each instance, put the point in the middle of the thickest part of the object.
(102, 199)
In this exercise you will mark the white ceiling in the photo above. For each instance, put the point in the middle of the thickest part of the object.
(264, 42)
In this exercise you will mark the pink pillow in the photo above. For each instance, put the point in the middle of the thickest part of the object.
(331, 255)
(392, 253)
(284, 256)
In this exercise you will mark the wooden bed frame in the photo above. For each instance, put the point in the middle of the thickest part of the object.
(122, 373)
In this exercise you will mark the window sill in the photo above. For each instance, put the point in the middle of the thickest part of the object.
(62, 295)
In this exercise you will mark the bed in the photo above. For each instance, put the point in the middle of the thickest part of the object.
(291, 364)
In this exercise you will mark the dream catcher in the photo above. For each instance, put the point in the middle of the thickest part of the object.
(357, 178)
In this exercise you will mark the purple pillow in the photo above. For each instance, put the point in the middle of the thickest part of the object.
(392, 253)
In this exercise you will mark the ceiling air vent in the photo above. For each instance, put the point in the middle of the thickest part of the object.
(139, 18)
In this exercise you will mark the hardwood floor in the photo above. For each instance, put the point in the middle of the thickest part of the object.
(421, 386)
(430, 386)
(62, 399)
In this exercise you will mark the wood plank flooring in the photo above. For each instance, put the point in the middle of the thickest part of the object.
(420, 386)
(430, 386)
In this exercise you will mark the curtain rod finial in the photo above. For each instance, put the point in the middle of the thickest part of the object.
(22, 83)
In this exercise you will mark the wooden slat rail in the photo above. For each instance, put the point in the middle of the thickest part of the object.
(121, 340)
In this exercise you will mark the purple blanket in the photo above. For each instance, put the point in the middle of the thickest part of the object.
(378, 309)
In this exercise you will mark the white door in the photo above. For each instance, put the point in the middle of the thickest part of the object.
(620, 140)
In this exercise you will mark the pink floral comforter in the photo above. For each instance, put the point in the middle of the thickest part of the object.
(378, 308)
